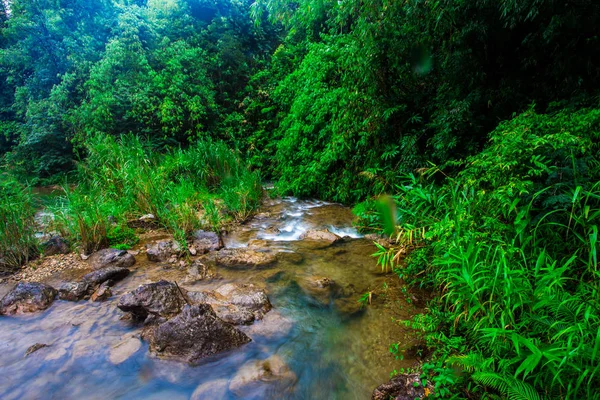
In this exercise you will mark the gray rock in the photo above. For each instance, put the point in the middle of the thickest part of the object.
(114, 274)
(55, 245)
(163, 250)
(238, 304)
(160, 299)
(194, 334)
(204, 242)
(27, 297)
(245, 258)
(111, 258)
(400, 387)
(74, 291)
(103, 292)
(199, 271)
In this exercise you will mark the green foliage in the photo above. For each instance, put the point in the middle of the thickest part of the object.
(512, 245)
(18, 243)
(121, 237)
(204, 186)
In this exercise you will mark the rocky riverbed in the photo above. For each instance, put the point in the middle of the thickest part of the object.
(268, 311)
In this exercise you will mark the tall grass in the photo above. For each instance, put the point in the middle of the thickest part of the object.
(18, 243)
(204, 186)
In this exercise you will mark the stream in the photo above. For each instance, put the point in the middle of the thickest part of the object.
(333, 349)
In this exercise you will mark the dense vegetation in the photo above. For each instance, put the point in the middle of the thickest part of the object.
(480, 118)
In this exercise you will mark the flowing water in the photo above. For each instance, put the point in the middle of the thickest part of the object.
(333, 350)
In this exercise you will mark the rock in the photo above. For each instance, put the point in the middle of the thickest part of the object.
(272, 326)
(238, 304)
(258, 244)
(256, 377)
(147, 218)
(114, 274)
(192, 250)
(194, 334)
(74, 291)
(27, 297)
(216, 389)
(163, 250)
(34, 348)
(55, 245)
(124, 350)
(160, 299)
(400, 387)
(204, 242)
(111, 258)
(321, 236)
(291, 256)
(244, 258)
(103, 292)
(199, 271)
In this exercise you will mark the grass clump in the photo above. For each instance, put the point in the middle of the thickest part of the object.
(18, 243)
(204, 186)
(511, 244)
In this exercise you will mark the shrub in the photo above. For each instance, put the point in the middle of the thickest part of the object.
(18, 243)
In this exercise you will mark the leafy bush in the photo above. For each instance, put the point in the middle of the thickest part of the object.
(18, 243)
(512, 246)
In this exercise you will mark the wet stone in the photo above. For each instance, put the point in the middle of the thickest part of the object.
(321, 236)
(114, 274)
(111, 258)
(34, 348)
(256, 378)
(245, 258)
(27, 297)
(194, 334)
(159, 299)
(124, 350)
(204, 242)
(103, 292)
(73, 291)
(216, 389)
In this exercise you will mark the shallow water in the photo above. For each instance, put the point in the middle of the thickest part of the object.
(333, 354)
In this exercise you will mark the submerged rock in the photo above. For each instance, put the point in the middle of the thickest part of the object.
(400, 387)
(238, 304)
(194, 334)
(74, 291)
(103, 292)
(34, 348)
(216, 389)
(122, 351)
(199, 271)
(111, 258)
(160, 299)
(114, 274)
(256, 377)
(27, 297)
(321, 236)
(245, 258)
(55, 245)
(203, 242)
(163, 250)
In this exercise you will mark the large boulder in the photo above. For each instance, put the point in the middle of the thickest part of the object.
(27, 297)
(400, 387)
(194, 334)
(160, 299)
(162, 250)
(100, 276)
(203, 242)
(257, 378)
(245, 258)
(55, 245)
(111, 258)
(238, 304)
(74, 291)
